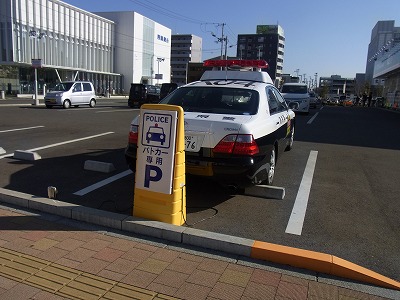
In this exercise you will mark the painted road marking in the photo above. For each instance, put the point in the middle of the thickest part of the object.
(19, 129)
(296, 220)
(117, 110)
(60, 144)
(312, 119)
(102, 183)
(82, 108)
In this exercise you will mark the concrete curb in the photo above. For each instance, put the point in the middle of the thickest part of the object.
(311, 260)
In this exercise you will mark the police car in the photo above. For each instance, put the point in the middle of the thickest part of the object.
(237, 124)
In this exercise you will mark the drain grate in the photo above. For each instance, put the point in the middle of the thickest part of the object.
(68, 282)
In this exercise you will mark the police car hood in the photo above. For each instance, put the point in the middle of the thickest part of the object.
(212, 128)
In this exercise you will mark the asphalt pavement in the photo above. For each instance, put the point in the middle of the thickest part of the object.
(55, 250)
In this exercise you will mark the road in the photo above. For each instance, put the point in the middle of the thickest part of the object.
(341, 178)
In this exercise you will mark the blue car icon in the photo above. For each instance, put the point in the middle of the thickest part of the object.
(155, 134)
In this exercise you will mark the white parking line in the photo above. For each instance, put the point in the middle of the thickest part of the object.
(82, 108)
(312, 119)
(296, 220)
(18, 129)
(116, 110)
(102, 183)
(62, 143)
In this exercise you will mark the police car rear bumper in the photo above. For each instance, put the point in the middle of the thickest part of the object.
(238, 171)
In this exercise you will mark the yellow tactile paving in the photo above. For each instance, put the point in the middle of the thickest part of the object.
(68, 282)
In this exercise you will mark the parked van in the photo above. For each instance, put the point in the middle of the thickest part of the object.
(143, 93)
(71, 93)
(296, 96)
(167, 88)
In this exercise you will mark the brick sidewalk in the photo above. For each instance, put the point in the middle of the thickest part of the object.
(51, 258)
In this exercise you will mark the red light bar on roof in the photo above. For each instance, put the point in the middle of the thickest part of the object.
(253, 63)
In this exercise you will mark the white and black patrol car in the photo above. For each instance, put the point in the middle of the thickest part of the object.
(237, 124)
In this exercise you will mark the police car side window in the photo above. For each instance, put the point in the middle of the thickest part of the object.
(280, 99)
(273, 103)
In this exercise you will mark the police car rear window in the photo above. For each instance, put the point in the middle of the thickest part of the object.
(221, 100)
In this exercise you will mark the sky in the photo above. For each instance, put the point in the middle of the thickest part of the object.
(321, 36)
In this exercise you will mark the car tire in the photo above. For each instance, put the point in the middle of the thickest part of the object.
(67, 104)
(271, 167)
(92, 103)
(291, 140)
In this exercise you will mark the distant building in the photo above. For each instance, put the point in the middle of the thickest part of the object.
(70, 43)
(387, 68)
(185, 49)
(336, 85)
(268, 44)
(383, 35)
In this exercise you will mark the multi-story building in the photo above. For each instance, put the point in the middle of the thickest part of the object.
(383, 35)
(69, 43)
(337, 85)
(387, 68)
(268, 44)
(185, 49)
(110, 49)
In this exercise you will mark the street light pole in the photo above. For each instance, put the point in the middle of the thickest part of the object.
(159, 59)
(38, 64)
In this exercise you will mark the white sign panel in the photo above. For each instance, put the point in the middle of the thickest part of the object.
(156, 150)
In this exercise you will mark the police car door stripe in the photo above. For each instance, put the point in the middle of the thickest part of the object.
(296, 220)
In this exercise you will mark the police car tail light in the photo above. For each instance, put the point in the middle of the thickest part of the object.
(240, 144)
(133, 134)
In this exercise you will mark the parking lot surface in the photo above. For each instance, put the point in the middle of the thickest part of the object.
(351, 209)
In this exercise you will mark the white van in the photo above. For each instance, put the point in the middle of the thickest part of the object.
(73, 93)
(296, 96)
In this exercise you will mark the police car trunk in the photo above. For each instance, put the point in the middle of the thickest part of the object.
(223, 130)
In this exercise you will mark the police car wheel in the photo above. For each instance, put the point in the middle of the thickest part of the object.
(291, 140)
(271, 167)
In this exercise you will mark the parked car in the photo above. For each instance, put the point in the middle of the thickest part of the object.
(237, 125)
(313, 100)
(71, 93)
(296, 95)
(143, 93)
(166, 89)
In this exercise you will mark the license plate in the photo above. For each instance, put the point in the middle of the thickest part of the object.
(192, 143)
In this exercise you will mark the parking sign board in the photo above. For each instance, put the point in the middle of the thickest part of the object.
(156, 150)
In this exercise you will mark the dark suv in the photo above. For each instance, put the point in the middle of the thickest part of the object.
(143, 93)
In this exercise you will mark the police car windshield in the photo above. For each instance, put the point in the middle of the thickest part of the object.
(221, 100)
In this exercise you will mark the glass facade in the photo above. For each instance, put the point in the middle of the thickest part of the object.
(71, 44)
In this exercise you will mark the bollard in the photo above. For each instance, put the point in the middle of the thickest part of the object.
(2, 97)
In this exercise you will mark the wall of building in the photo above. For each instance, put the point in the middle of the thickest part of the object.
(139, 42)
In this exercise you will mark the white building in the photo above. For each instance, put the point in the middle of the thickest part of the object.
(143, 48)
(75, 44)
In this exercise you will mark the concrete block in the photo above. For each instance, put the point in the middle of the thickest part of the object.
(26, 155)
(15, 198)
(217, 241)
(98, 217)
(99, 166)
(266, 191)
(153, 228)
(52, 206)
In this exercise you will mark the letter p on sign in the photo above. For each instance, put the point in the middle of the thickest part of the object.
(152, 173)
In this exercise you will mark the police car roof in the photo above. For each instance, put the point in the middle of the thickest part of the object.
(237, 75)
